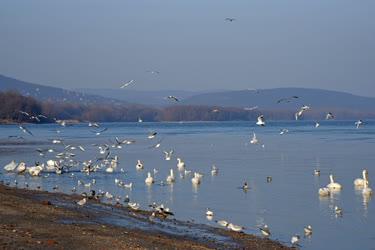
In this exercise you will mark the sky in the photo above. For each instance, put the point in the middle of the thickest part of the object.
(328, 44)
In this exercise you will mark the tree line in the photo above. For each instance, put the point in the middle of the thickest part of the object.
(12, 103)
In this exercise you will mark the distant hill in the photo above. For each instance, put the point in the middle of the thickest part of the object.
(267, 99)
(153, 98)
(47, 93)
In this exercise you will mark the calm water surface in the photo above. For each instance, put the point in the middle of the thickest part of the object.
(287, 204)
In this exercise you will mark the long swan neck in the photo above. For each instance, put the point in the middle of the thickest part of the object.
(331, 178)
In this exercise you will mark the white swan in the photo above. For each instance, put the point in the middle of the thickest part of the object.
(324, 192)
(359, 182)
(196, 180)
(333, 185)
(139, 165)
(367, 191)
(35, 170)
(149, 180)
(11, 166)
(180, 164)
(170, 177)
(21, 168)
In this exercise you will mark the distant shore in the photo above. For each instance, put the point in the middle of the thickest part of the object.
(38, 220)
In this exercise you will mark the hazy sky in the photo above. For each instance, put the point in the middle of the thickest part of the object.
(326, 44)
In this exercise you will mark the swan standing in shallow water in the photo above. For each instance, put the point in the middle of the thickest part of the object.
(149, 180)
(359, 182)
(196, 180)
(139, 165)
(333, 185)
(170, 177)
(21, 168)
(367, 191)
(11, 166)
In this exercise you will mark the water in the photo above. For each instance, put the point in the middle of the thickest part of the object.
(287, 204)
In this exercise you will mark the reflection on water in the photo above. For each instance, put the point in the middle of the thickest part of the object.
(287, 202)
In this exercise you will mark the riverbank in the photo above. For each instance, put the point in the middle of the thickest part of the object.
(38, 220)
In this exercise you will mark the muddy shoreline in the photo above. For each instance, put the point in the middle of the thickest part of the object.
(37, 220)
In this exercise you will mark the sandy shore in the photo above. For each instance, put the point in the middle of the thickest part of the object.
(39, 220)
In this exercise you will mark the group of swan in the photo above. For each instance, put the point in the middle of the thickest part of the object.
(21, 168)
(358, 183)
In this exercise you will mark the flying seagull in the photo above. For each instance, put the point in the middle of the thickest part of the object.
(25, 130)
(230, 19)
(261, 121)
(171, 97)
(358, 123)
(287, 99)
(127, 84)
(329, 116)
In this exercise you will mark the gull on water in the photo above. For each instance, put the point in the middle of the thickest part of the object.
(317, 124)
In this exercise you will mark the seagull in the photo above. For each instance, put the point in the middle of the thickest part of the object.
(317, 124)
(283, 131)
(245, 186)
(235, 228)
(168, 155)
(152, 135)
(222, 223)
(265, 230)
(329, 116)
(261, 121)
(230, 19)
(250, 108)
(127, 84)
(25, 130)
(358, 123)
(316, 172)
(300, 112)
(171, 97)
(295, 239)
(94, 124)
(99, 132)
(153, 71)
(133, 205)
(254, 140)
(209, 212)
(338, 211)
(308, 230)
(180, 164)
(287, 99)
(82, 202)
(214, 170)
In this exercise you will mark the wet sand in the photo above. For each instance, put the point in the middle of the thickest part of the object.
(39, 220)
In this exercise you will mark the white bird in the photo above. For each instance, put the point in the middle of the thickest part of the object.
(133, 205)
(261, 121)
(209, 212)
(214, 170)
(338, 211)
(130, 185)
(171, 97)
(235, 228)
(35, 170)
(254, 140)
(359, 182)
(149, 180)
(170, 177)
(358, 123)
(108, 195)
(82, 202)
(139, 165)
(25, 130)
(152, 135)
(316, 172)
(168, 155)
(283, 131)
(367, 191)
(109, 169)
(308, 230)
(196, 180)
(300, 112)
(222, 223)
(329, 116)
(11, 166)
(324, 192)
(333, 185)
(265, 230)
(180, 164)
(21, 168)
(127, 84)
(295, 239)
(317, 124)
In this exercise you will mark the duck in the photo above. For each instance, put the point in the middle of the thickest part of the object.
(367, 191)
(180, 164)
(333, 185)
(245, 186)
(139, 165)
(324, 192)
(338, 211)
(170, 177)
(35, 170)
(11, 166)
(308, 230)
(149, 180)
(82, 202)
(316, 172)
(359, 182)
